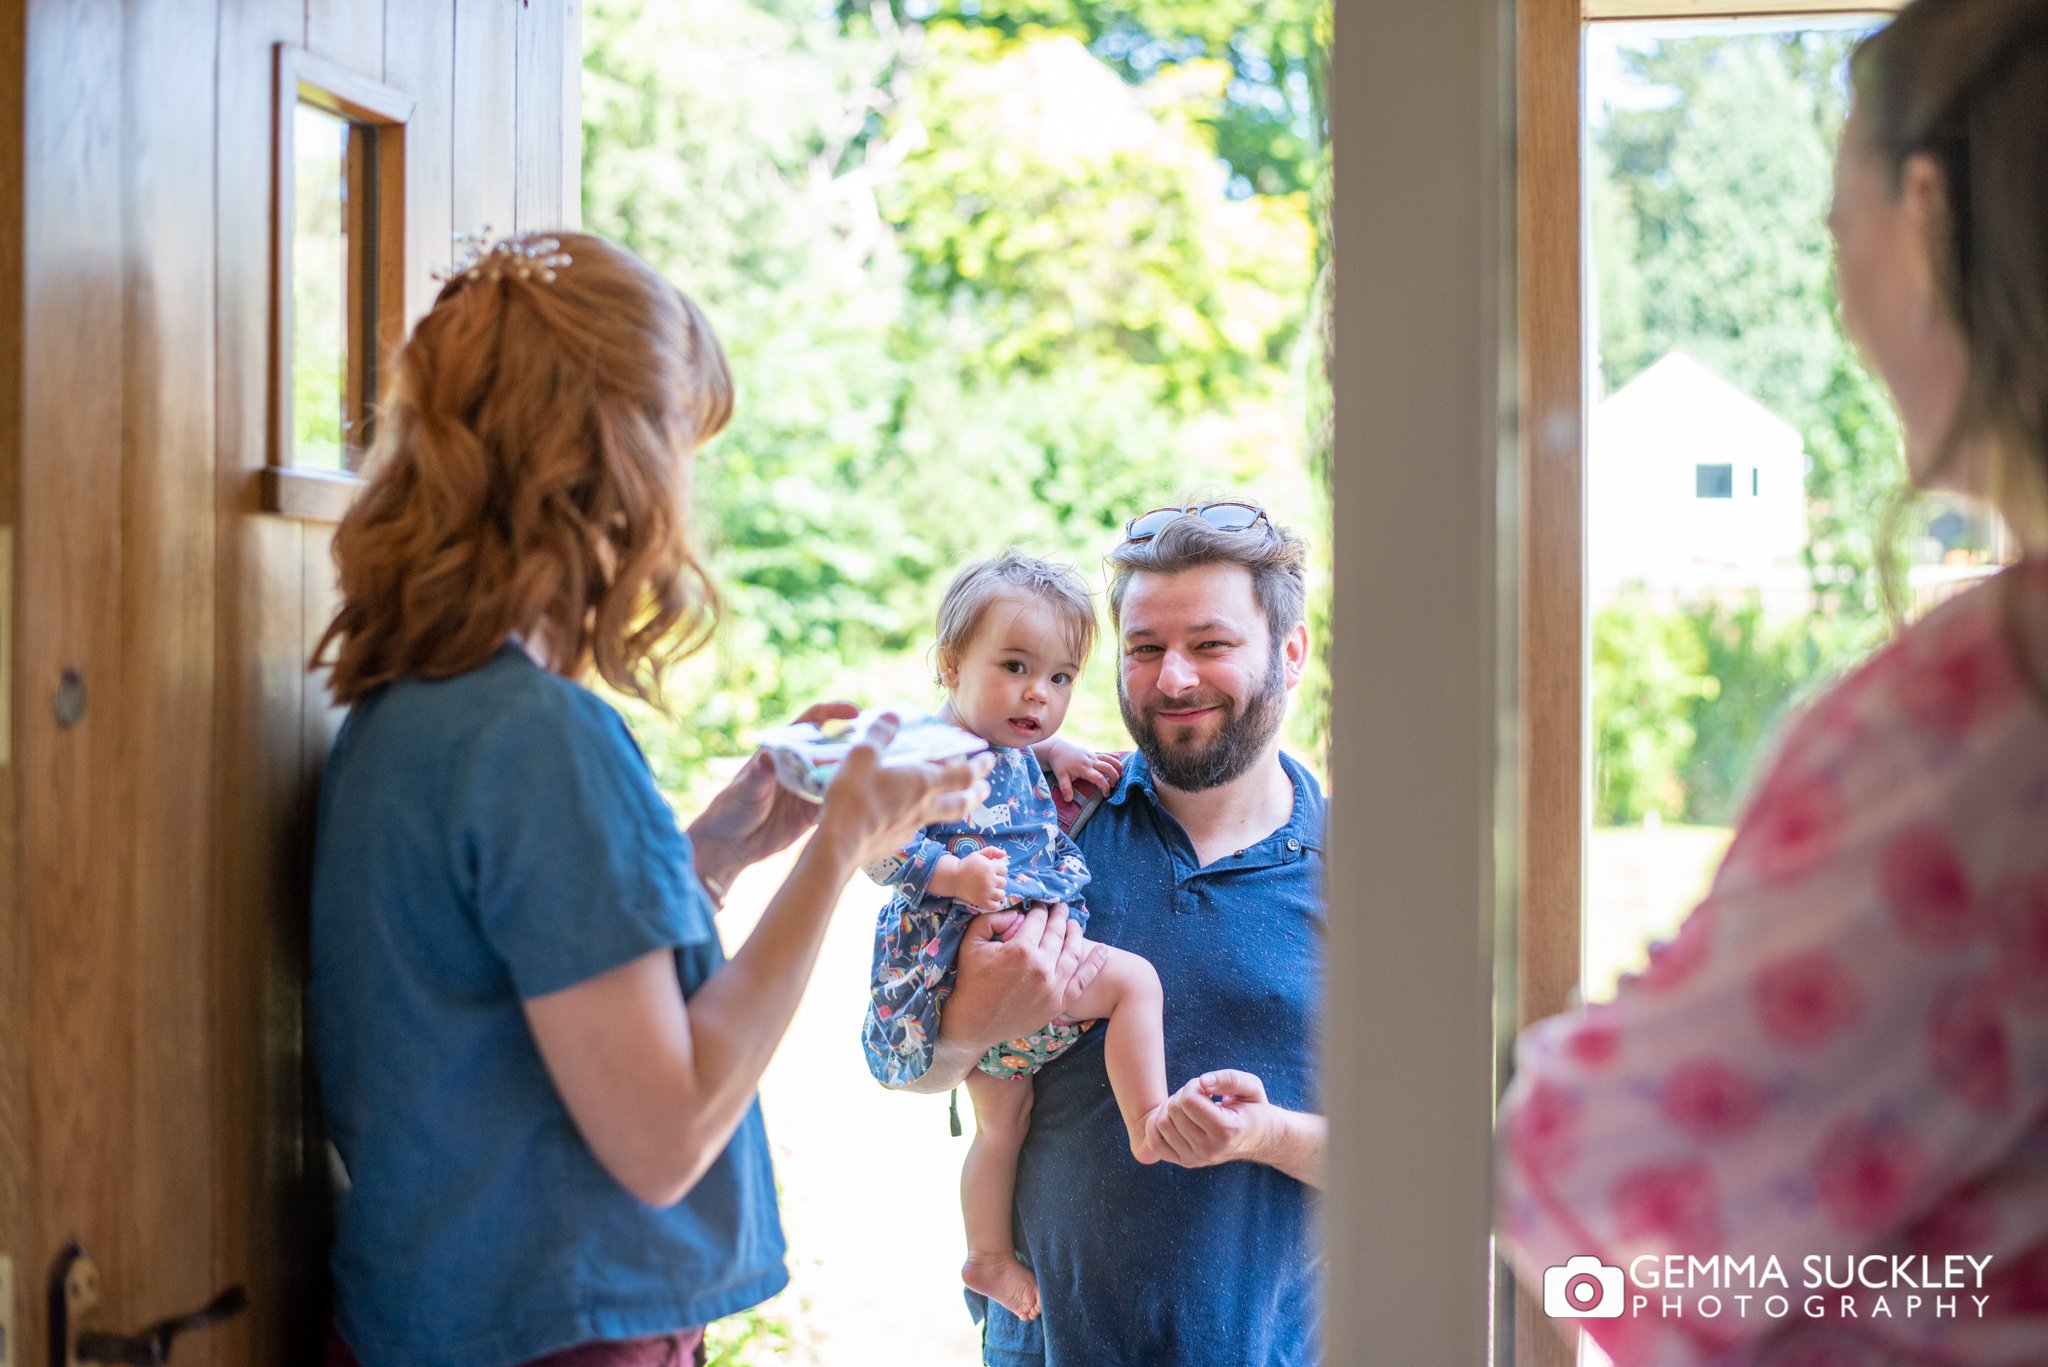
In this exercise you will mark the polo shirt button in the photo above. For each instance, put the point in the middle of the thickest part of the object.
(1293, 844)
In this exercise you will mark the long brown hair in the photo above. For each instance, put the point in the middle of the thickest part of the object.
(530, 475)
(1963, 81)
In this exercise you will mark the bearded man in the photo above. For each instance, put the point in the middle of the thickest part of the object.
(1207, 859)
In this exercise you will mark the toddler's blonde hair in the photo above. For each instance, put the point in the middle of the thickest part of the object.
(980, 585)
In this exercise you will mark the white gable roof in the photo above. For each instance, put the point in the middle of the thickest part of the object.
(1692, 486)
(1682, 409)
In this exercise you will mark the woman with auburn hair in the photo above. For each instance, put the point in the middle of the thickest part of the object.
(1814, 1130)
(536, 1062)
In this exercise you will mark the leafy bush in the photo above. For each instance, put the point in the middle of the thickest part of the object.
(1688, 702)
(1760, 671)
(1649, 669)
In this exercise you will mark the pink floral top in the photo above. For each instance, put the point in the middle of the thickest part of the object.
(1843, 1052)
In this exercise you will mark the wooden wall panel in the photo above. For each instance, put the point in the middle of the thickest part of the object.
(419, 60)
(572, 114)
(15, 1151)
(350, 32)
(70, 561)
(15, 1136)
(540, 135)
(155, 1098)
(486, 51)
(167, 634)
(267, 1172)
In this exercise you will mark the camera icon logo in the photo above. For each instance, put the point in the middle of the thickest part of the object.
(1583, 1289)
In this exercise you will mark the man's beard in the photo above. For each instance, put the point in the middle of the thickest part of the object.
(1239, 741)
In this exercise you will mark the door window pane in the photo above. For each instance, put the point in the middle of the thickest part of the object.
(334, 288)
(1740, 459)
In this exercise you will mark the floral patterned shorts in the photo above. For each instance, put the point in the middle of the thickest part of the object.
(1019, 1058)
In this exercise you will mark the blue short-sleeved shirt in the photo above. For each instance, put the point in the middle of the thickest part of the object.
(485, 839)
(1138, 1265)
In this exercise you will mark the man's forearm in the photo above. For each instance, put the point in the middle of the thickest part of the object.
(1296, 1145)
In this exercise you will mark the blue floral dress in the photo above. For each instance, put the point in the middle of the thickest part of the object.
(917, 937)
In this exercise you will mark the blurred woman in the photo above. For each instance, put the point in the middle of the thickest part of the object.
(1844, 1051)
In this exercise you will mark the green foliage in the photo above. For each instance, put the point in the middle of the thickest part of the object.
(1267, 116)
(1706, 230)
(976, 290)
(1649, 670)
(1760, 672)
(1706, 233)
(752, 1338)
(1045, 201)
(1688, 702)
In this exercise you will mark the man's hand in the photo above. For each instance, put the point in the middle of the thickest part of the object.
(1224, 1117)
(980, 879)
(1015, 974)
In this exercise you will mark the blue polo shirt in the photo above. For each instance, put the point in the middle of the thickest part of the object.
(485, 839)
(1153, 1265)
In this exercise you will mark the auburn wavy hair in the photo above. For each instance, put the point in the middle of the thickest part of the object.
(530, 476)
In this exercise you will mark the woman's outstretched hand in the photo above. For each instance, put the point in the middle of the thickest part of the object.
(872, 808)
(754, 815)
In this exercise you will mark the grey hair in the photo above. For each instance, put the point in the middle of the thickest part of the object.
(1274, 556)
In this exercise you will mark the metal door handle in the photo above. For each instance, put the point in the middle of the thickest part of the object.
(75, 1295)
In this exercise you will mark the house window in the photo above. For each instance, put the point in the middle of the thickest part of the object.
(1714, 481)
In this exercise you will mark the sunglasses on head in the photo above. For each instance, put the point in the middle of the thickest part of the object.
(1228, 516)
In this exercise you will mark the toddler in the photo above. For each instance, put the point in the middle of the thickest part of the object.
(1013, 633)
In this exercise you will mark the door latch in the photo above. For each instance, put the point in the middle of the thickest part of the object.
(75, 1297)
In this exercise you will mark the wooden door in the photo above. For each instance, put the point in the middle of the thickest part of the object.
(160, 739)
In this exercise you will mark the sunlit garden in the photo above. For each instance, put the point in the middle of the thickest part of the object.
(1010, 272)
(987, 274)
(1708, 180)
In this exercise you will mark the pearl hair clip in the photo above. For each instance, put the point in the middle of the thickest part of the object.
(479, 258)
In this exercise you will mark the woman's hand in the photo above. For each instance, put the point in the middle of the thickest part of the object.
(872, 808)
(1069, 763)
(754, 815)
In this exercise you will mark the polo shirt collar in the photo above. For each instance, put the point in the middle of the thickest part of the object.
(1304, 823)
(1137, 774)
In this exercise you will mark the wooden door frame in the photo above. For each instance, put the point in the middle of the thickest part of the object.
(1552, 658)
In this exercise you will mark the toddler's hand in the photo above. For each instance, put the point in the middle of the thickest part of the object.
(1072, 763)
(983, 878)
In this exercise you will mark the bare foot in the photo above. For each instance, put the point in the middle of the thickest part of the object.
(1004, 1280)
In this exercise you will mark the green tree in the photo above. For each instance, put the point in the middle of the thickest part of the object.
(1267, 116)
(1706, 235)
(976, 290)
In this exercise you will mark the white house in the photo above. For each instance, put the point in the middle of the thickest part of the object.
(1693, 488)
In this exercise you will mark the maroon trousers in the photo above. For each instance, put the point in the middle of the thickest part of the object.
(664, 1350)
